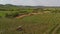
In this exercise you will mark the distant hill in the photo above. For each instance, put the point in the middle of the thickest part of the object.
(21, 6)
(10, 7)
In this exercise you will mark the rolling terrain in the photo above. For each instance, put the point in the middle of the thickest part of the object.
(32, 19)
(35, 24)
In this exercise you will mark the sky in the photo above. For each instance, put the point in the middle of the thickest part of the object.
(32, 2)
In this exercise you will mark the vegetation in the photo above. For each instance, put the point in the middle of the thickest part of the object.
(46, 22)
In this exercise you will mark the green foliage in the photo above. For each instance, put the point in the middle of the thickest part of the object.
(55, 11)
(36, 24)
(44, 23)
(38, 10)
(24, 12)
(11, 14)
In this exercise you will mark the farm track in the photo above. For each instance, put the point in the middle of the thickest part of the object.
(52, 30)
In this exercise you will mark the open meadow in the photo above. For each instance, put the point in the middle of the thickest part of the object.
(36, 24)
(34, 21)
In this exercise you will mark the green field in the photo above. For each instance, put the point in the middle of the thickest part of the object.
(35, 24)
(33, 19)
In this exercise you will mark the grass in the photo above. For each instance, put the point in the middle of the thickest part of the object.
(36, 24)
(58, 31)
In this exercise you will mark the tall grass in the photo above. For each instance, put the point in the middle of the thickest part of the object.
(36, 24)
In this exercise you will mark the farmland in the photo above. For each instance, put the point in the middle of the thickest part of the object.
(47, 22)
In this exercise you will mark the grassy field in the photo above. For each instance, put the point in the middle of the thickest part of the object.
(35, 24)
(36, 19)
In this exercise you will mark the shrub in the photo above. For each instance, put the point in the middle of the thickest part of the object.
(55, 11)
(11, 15)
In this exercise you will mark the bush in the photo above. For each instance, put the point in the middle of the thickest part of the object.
(11, 15)
(8, 15)
(55, 11)
(15, 14)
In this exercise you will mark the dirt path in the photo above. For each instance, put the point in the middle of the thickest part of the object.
(21, 16)
(28, 15)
